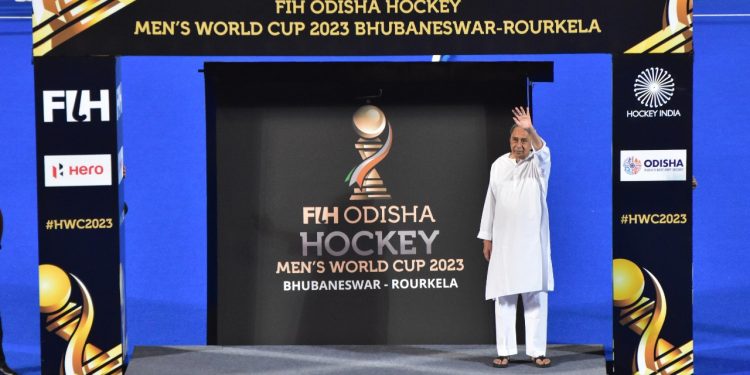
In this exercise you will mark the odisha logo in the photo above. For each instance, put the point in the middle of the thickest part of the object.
(632, 165)
(654, 87)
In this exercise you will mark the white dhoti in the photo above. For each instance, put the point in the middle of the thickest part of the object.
(535, 315)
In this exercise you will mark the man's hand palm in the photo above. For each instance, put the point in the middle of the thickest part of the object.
(521, 117)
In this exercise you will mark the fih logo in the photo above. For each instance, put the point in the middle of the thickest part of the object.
(632, 165)
(370, 123)
(654, 87)
(77, 105)
(77, 170)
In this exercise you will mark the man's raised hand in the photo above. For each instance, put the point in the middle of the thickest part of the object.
(521, 117)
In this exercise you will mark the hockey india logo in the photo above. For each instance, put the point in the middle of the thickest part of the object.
(654, 87)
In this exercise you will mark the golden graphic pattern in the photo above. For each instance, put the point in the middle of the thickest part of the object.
(676, 35)
(72, 322)
(646, 318)
(56, 21)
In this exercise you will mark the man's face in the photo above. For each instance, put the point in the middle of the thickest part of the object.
(520, 145)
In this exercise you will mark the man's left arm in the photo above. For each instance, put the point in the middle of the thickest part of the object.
(535, 139)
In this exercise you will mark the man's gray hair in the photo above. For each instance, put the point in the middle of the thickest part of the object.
(513, 127)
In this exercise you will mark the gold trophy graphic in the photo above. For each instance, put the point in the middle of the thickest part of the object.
(72, 322)
(370, 123)
(646, 317)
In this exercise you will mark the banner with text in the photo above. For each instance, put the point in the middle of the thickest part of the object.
(359, 27)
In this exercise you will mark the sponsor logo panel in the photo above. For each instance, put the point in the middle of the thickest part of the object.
(77, 170)
(653, 165)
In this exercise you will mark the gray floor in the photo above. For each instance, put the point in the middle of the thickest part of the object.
(356, 360)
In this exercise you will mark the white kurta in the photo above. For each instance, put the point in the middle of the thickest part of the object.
(516, 220)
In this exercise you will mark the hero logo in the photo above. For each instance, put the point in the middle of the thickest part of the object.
(77, 170)
(77, 105)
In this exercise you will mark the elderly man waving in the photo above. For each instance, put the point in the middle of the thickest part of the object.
(515, 230)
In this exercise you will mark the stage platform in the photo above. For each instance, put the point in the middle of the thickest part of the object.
(356, 360)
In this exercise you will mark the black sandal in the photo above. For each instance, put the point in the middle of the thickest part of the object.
(539, 362)
(501, 364)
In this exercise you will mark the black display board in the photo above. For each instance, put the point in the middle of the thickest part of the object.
(80, 201)
(302, 257)
(652, 208)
